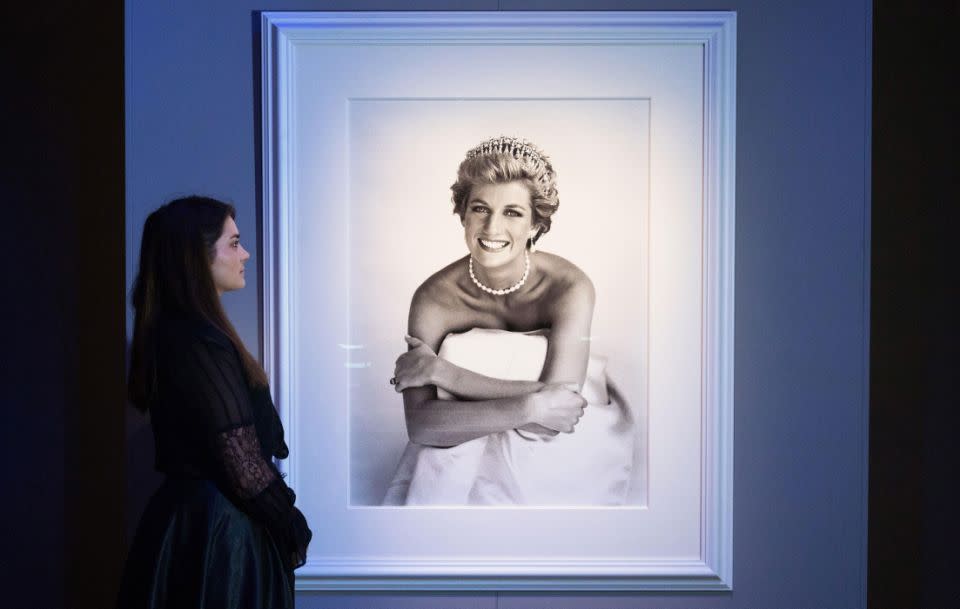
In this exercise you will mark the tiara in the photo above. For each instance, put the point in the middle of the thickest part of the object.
(514, 146)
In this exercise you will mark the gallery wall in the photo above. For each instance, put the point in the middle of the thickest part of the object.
(803, 213)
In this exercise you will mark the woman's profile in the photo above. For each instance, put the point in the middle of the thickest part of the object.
(499, 373)
(222, 531)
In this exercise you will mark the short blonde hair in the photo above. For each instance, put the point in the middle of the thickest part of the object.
(502, 160)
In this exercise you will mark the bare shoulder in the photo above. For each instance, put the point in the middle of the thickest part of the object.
(432, 303)
(569, 295)
(440, 289)
(567, 280)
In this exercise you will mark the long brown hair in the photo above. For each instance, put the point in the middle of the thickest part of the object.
(174, 277)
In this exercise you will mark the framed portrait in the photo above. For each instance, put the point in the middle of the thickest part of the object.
(534, 193)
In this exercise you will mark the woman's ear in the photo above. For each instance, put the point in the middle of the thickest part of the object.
(531, 245)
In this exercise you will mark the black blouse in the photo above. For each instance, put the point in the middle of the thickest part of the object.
(208, 423)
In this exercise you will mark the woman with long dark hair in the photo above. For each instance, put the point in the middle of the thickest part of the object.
(222, 531)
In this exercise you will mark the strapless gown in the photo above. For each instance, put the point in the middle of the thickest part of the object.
(590, 467)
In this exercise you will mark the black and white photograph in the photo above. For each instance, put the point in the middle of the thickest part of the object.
(519, 318)
(498, 272)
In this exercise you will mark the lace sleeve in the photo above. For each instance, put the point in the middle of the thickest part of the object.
(245, 469)
(261, 492)
(213, 371)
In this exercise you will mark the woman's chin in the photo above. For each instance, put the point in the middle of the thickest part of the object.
(491, 259)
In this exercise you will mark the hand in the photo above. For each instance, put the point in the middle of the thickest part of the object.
(300, 538)
(557, 406)
(416, 367)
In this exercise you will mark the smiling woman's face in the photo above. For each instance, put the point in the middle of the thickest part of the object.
(497, 222)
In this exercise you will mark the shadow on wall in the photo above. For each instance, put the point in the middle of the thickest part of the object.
(142, 479)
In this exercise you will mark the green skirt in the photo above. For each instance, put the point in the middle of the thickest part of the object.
(194, 549)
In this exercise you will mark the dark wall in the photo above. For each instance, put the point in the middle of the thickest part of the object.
(63, 289)
(914, 388)
(63, 336)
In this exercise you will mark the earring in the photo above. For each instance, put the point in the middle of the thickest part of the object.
(531, 246)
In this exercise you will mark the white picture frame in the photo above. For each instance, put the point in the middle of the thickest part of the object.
(320, 69)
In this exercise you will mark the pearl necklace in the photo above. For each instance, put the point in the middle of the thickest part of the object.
(505, 291)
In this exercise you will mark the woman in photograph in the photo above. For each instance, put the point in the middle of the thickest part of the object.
(222, 531)
(499, 371)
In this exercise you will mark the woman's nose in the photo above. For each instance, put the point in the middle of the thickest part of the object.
(493, 224)
(245, 255)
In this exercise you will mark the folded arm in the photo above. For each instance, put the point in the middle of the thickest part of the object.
(568, 351)
(436, 422)
(420, 366)
(484, 404)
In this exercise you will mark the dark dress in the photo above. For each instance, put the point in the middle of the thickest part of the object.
(222, 531)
